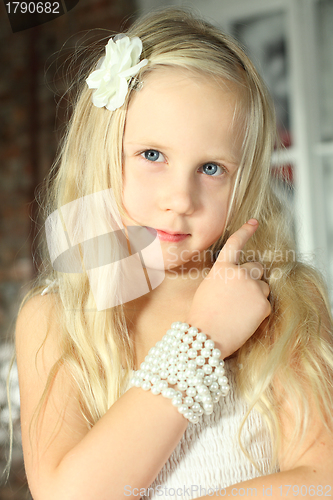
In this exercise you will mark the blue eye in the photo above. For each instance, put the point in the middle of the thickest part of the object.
(211, 169)
(152, 155)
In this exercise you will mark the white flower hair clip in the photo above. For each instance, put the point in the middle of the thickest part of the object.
(120, 63)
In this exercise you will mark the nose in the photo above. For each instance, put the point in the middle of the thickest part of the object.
(179, 195)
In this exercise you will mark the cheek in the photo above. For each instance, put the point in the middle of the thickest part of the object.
(136, 196)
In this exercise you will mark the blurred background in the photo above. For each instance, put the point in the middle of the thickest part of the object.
(291, 43)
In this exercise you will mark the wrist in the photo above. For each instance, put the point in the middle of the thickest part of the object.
(184, 366)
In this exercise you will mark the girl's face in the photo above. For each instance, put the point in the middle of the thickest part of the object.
(182, 148)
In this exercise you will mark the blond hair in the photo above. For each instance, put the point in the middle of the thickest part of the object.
(295, 347)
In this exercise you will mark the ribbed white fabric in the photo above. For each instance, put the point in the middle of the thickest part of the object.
(208, 455)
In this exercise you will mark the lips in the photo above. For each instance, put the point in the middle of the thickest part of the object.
(165, 235)
(168, 231)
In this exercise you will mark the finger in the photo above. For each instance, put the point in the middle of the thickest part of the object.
(254, 269)
(264, 287)
(235, 243)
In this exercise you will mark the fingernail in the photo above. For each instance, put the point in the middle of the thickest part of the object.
(252, 222)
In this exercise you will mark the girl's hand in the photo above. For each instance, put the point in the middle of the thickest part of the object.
(231, 302)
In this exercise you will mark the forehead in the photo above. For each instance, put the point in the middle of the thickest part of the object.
(180, 104)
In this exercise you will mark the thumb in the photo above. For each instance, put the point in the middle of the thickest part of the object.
(236, 242)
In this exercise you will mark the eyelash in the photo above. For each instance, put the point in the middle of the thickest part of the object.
(224, 170)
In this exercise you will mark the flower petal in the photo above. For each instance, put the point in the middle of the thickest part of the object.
(134, 69)
(119, 97)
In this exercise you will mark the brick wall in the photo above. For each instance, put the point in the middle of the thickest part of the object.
(29, 135)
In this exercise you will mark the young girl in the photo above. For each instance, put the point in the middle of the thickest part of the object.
(173, 131)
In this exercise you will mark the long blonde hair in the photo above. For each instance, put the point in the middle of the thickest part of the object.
(295, 347)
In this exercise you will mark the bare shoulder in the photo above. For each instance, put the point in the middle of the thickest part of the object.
(61, 425)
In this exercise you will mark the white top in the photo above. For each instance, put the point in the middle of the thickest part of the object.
(209, 455)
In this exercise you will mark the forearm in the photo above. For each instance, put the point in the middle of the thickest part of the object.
(303, 482)
(128, 445)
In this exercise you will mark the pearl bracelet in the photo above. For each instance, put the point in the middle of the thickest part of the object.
(185, 358)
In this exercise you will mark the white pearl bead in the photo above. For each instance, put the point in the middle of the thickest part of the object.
(196, 345)
(191, 365)
(213, 362)
(225, 390)
(164, 374)
(168, 393)
(187, 339)
(214, 387)
(209, 344)
(191, 381)
(181, 366)
(154, 379)
(200, 412)
(176, 401)
(214, 377)
(218, 393)
(194, 419)
(205, 352)
(172, 370)
(193, 330)
(201, 337)
(184, 327)
(191, 391)
(222, 380)
(207, 380)
(202, 390)
(196, 407)
(173, 360)
(171, 331)
(173, 352)
(146, 385)
(219, 370)
(163, 384)
(207, 399)
(192, 353)
(155, 390)
(179, 335)
(183, 347)
(182, 408)
(164, 365)
(181, 376)
(152, 351)
(221, 362)
(200, 361)
(183, 357)
(215, 399)
(144, 366)
(188, 414)
(207, 369)
(216, 353)
(138, 382)
(172, 379)
(189, 373)
(188, 401)
(176, 324)
(175, 343)
(200, 373)
(182, 386)
(208, 408)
